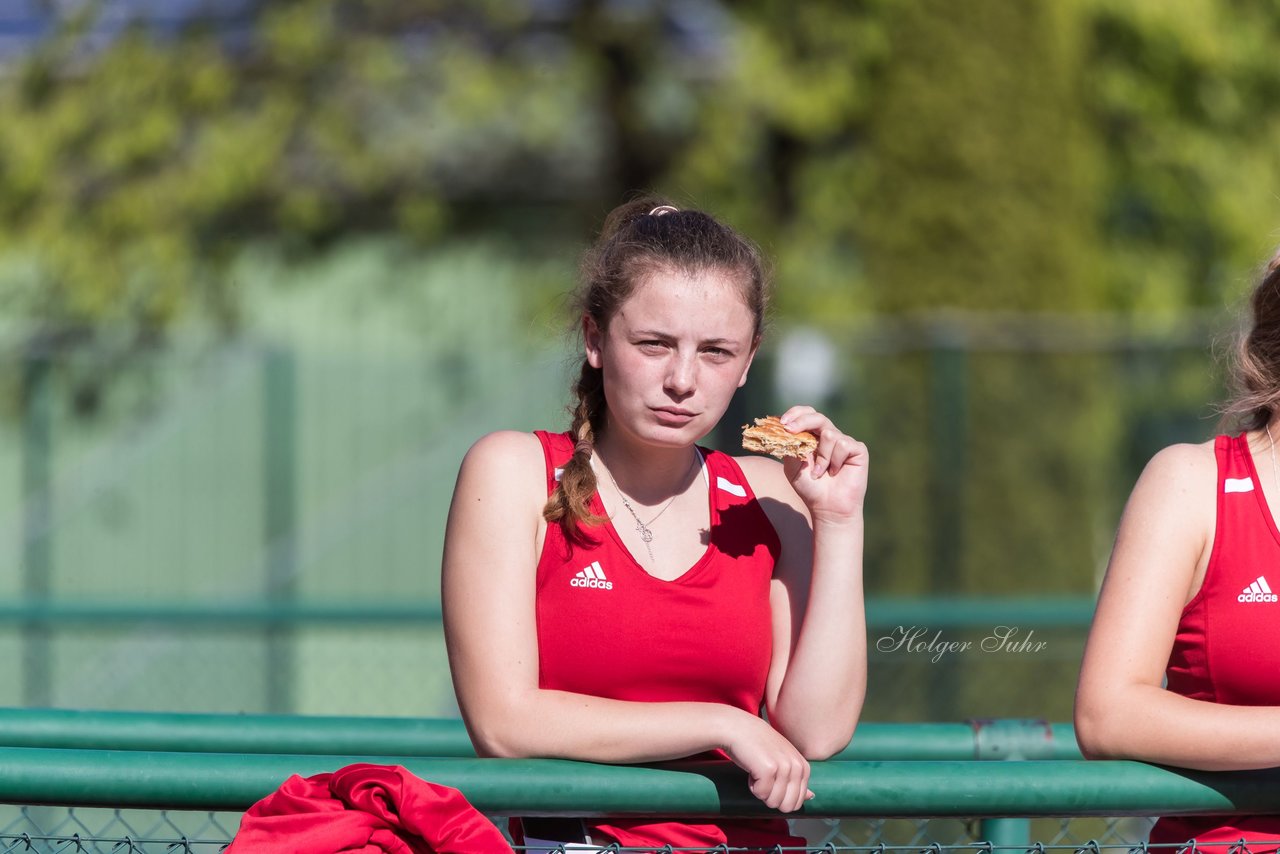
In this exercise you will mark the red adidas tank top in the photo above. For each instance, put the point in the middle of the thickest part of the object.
(608, 628)
(1227, 649)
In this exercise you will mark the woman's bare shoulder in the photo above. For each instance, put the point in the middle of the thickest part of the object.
(786, 512)
(1176, 494)
(507, 457)
(1183, 464)
(506, 445)
(766, 476)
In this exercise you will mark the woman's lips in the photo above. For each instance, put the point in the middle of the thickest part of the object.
(674, 416)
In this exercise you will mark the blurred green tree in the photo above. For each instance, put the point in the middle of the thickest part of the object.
(131, 177)
(1183, 99)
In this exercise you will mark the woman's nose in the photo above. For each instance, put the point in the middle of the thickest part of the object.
(680, 376)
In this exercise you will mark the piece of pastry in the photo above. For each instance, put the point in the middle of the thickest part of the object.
(768, 436)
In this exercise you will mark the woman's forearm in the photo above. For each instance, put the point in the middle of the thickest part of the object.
(564, 725)
(1152, 724)
(821, 696)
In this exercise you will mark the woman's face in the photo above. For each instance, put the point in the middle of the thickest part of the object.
(673, 355)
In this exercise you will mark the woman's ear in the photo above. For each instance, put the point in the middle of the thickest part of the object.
(593, 341)
(755, 347)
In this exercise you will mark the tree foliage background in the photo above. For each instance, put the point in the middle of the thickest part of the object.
(897, 158)
(1093, 154)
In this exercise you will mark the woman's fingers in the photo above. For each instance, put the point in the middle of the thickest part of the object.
(784, 786)
(845, 450)
(835, 448)
(777, 773)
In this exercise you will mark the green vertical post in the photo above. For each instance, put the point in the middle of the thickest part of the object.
(1007, 833)
(280, 501)
(948, 369)
(37, 541)
(1010, 741)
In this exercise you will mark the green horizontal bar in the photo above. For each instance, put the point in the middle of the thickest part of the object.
(215, 733)
(212, 733)
(882, 613)
(980, 613)
(558, 787)
(993, 739)
(228, 615)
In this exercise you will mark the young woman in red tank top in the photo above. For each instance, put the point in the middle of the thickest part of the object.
(1181, 662)
(618, 594)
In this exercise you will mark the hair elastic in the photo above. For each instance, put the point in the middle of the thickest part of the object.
(664, 209)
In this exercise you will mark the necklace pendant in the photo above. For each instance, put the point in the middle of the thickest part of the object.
(645, 533)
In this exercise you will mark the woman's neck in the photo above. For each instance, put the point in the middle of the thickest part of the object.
(646, 474)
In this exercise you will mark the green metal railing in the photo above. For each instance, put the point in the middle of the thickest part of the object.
(1006, 794)
(67, 735)
(144, 782)
(185, 733)
(691, 789)
(882, 613)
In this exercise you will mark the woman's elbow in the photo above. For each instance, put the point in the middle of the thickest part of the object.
(1096, 732)
(488, 747)
(492, 740)
(820, 746)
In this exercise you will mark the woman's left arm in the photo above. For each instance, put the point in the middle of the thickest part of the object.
(818, 673)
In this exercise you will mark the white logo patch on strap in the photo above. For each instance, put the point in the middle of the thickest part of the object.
(1237, 484)
(731, 487)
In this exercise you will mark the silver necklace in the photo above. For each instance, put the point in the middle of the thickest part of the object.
(641, 527)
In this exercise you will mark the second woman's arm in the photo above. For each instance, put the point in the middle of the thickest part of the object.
(1122, 710)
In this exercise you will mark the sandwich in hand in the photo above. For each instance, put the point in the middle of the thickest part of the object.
(768, 436)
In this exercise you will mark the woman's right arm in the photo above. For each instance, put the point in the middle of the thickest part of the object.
(1122, 709)
(488, 588)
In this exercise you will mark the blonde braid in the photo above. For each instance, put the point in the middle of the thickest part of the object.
(570, 504)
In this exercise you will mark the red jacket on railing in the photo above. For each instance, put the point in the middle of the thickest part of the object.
(366, 809)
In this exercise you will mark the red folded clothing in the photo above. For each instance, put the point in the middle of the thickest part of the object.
(366, 809)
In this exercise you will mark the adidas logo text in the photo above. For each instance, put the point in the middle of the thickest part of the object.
(591, 576)
(1258, 591)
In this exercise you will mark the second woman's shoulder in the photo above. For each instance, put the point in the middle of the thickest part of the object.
(1184, 464)
(1180, 481)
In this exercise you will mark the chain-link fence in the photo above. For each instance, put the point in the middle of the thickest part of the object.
(54, 830)
(50, 830)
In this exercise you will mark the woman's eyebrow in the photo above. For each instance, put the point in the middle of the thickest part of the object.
(656, 333)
